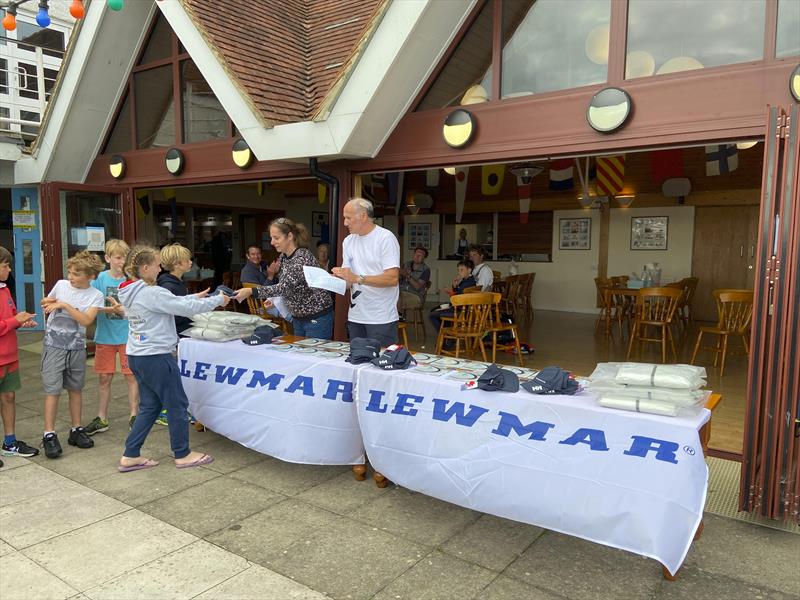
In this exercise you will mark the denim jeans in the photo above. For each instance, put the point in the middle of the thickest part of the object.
(320, 328)
(160, 387)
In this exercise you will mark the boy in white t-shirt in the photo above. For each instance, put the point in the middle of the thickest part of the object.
(371, 267)
(71, 306)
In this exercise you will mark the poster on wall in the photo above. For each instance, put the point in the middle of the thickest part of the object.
(649, 233)
(319, 225)
(575, 234)
(418, 234)
(95, 238)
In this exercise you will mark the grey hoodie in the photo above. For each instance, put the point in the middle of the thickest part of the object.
(150, 310)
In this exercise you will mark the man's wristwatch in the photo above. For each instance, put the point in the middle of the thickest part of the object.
(361, 280)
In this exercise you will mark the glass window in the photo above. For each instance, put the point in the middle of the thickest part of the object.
(682, 35)
(80, 210)
(554, 45)
(51, 40)
(788, 41)
(159, 46)
(31, 130)
(50, 76)
(26, 74)
(3, 76)
(203, 115)
(155, 110)
(120, 138)
(470, 64)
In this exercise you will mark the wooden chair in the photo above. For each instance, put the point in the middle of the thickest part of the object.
(525, 295)
(612, 307)
(735, 309)
(679, 285)
(510, 295)
(655, 307)
(417, 314)
(256, 307)
(402, 333)
(689, 287)
(475, 289)
(496, 326)
(496, 274)
(469, 323)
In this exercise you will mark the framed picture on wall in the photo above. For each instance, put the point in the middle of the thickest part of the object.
(319, 223)
(575, 234)
(418, 234)
(649, 233)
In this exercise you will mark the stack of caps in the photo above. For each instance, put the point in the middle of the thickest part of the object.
(223, 326)
(642, 387)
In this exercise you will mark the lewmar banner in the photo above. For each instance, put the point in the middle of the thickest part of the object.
(299, 410)
(628, 480)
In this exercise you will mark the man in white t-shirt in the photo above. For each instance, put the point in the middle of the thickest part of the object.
(371, 267)
(481, 272)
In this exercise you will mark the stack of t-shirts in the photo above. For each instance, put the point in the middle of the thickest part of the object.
(642, 387)
(223, 326)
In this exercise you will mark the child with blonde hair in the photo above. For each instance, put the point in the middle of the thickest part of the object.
(71, 306)
(110, 338)
(152, 340)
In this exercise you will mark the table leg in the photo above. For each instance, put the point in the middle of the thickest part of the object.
(665, 571)
(380, 480)
(360, 472)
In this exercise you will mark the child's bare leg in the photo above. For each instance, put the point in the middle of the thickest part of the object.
(104, 394)
(75, 404)
(133, 394)
(8, 411)
(50, 411)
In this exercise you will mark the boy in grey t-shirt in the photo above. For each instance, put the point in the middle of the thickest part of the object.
(71, 306)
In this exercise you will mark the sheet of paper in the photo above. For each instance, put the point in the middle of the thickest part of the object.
(320, 278)
(280, 305)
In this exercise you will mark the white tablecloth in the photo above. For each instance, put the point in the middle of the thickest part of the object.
(291, 406)
(632, 481)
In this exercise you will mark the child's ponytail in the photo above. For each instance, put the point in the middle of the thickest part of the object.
(139, 256)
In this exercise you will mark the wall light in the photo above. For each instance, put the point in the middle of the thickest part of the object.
(746, 145)
(625, 201)
(794, 83)
(449, 170)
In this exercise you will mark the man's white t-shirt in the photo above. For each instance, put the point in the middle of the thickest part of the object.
(366, 255)
(483, 276)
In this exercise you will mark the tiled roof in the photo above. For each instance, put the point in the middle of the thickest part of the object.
(286, 55)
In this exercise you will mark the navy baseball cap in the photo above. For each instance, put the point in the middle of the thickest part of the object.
(262, 335)
(394, 358)
(552, 380)
(495, 379)
(363, 350)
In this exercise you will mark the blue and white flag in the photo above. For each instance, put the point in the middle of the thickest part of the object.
(722, 158)
(561, 177)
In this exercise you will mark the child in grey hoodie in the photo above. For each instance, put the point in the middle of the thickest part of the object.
(152, 339)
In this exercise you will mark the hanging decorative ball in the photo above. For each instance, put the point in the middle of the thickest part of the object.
(9, 22)
(77, 10)
(115, 4)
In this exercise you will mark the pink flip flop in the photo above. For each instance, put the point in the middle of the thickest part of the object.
(206, 459)
(147, 464)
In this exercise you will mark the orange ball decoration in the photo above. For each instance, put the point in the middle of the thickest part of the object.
(76, 9)
(9, 22)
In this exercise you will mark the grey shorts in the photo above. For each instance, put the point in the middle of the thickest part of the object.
(62, 369)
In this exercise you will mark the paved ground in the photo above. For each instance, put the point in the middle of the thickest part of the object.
(252, 527)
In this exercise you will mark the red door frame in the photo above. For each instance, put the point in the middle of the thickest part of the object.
(50, 199)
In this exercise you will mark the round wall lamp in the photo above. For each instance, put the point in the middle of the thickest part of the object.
(174, 161)
(609, 109)
(242, 155)
(116, 166)
(794, 83)
(458, 128)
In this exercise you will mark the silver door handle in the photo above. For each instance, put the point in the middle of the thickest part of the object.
(741, 250)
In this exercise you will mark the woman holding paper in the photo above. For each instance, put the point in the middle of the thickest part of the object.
(311, 308)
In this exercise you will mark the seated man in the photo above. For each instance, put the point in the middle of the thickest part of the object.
(463, 281)
(257, 271)
(414, 278)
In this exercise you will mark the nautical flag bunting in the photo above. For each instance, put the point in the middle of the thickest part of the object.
(720, 159)
(610, 174)
(492, 179)
(561, 174)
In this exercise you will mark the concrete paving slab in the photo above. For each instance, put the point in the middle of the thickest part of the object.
(746, 552)
(700, 585)
(140, 487)
(416, 517)
(343, 494)
(492, 542)
(30, 430)
(286, 478)
(14, 462)
(23, 578)
(264, 535)
(270, 586)
(5, 548)
(99, 552)
(84, 466)
(180, 575)
(584, 570)
(211, 505)
(59, 511)
(347, 560)
(505, 588)
(439, 576)
(31, 481)
(229, 456)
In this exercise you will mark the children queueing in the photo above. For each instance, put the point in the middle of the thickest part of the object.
(71, 306)
(176, 261)
(152, 339)
(10, 321)
(111, 336)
